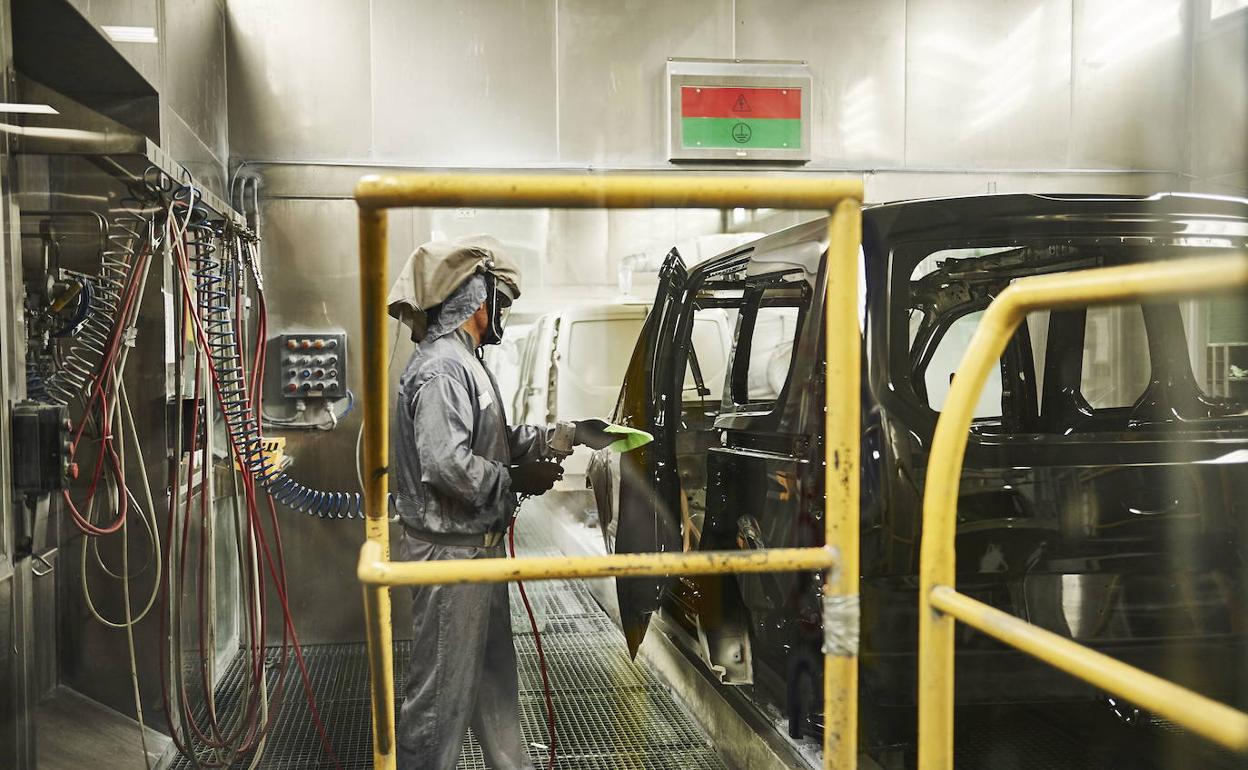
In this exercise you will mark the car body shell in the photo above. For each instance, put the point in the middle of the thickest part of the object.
(1120, 526)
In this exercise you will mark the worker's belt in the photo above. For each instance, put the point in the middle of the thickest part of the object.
(477, 539)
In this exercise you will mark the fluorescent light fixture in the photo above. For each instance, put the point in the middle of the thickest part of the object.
(28, 109)
(130, 34)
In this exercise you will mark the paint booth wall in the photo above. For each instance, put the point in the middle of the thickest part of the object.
(915, 85)
(920, 97)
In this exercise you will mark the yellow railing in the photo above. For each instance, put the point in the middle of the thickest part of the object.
(839, 557)
(940, 605)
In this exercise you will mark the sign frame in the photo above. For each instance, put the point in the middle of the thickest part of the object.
(736, 73)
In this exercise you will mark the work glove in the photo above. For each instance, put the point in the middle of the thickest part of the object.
(534, 478)
(593, 434)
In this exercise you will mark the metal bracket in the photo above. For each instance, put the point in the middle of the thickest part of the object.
(44, 561)
(840, 625)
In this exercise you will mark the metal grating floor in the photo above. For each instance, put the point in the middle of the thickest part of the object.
(611, 712)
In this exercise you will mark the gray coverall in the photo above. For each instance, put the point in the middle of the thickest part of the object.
(452, 449)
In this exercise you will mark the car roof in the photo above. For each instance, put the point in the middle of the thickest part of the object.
(1013, 214)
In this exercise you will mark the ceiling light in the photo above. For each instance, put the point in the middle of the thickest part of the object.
(28, 109)
(130, 34)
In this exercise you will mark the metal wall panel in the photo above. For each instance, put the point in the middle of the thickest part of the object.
(1220, 107)
(299, 82)
(184, 146)
(1131, 75)
(464, 82)
(310, 257)
(611, 60)
(195, 70)
(988, 83)
(145, 57)
(856, 51)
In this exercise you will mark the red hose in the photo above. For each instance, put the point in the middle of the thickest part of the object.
(254, 729)
(541, 655)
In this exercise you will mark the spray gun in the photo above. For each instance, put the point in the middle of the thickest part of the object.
(559, 447)
(562, 439)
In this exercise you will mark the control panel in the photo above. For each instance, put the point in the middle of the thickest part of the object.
(314, 365)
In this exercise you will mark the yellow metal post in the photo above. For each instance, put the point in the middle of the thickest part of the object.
(842, 437)
(1113, 285)
(374, 272)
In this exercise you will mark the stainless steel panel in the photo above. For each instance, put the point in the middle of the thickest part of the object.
(577, 247)
(464, 82)
(44, 593)
(857, 53)
(310, 262)
(16, 751)
(987, 83)
(1220, 106)
(186, 148)
(1131, 76)
(145, 57)
(299, 78)
(195, 69)
(611, 58)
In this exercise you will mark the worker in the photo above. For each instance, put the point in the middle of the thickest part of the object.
(458, 468)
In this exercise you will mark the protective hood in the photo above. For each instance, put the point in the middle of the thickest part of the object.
(436, 269)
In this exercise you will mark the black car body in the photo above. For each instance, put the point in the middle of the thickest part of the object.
(1104, 493)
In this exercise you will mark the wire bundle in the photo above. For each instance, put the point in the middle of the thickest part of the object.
(213, 264)
(105, 336)
(128, 228)
(213, 291)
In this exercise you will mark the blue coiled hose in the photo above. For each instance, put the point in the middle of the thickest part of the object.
(214, 282)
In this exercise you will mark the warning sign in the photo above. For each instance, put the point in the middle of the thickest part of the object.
(741, 111)
(742, 118)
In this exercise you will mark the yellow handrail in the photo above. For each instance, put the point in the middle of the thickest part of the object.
(940, 605)
(374, 570)
(375, 194)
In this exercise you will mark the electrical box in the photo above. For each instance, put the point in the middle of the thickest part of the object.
(40, 448)
(314, 364)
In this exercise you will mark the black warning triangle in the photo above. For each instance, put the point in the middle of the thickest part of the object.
(741, 105)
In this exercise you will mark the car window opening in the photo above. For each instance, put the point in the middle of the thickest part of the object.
(1067, 372)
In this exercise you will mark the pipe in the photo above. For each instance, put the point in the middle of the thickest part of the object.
(1155, 281)
(376, 571)
(1206, 717)
(374, 271)
(841, 440)
(614, 192)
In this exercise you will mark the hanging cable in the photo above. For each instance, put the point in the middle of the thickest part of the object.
(541, 653)
(217, 338)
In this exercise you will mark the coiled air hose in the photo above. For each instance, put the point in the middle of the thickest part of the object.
(127, 229)
(218, 338)
(212, 280)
